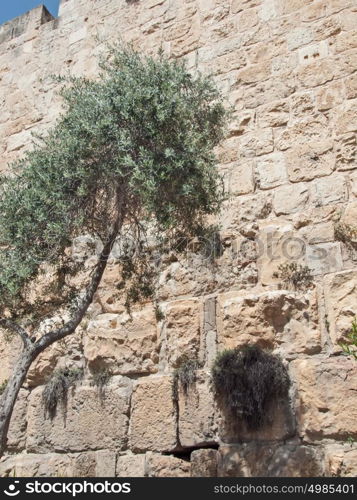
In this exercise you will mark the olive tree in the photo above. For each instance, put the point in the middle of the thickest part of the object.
(133, 149)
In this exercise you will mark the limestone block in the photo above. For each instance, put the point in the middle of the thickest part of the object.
(18, 424)
(310, 53)
(183, 330)
(303, 131)
(126, 344)
(197, 412)
(131, 466)
(346, 120)
(277, 244)
(204, 463)
(316, 73)
(328, 190)
(351, 86)
(105, 463)
(260, 459)
(86, 422)
(326, 399)
(290, 199)
(341, 460)
(310, 160)
(340, 291)
(238, 178)
(245, 209)
(324, 258)
(166, 466)
(153, 415)
(274, 114)
(346, 152)
(10, 347)
(301, 105)
(269, 319)
(299, 36)
(271, 170)
(48, 465)
(329, 95)
(257, 143)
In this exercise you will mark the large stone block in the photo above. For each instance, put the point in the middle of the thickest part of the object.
(197, 413)
(166, 466)
(126, 344)
(204, 463)
(153, 423)
(310, 160)
(290, 199)
(340, 292)
(131, 465)
(183, 331)
(278, 319)
(271, 171)
(87, 421)
(18, 424)
(261, 459)
(49, 465)
(341, 460)
(326, 398)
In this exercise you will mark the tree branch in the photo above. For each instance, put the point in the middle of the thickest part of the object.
(85, 302)
(7, 324)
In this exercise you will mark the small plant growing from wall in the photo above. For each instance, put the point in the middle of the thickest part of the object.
(295, 275)
(246, 381)
(350, 349)
(185, 376)
(57, 387)
(347, 234)
(100, 379)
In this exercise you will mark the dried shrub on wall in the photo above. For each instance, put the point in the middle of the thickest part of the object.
(247, 380)
(56, 388)
(295, 275)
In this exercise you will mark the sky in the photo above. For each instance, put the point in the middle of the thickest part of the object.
(14, 8)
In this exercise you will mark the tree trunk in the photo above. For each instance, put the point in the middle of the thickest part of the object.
(33, 349)
(8, 398)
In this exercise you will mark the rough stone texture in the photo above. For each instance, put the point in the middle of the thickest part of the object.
(204, 463)
(166, 466)
(182, 330)
(255, 460)
(49, 465)
(153, 415)
(131, 466)
(341, 460)
(122, 343)
(326, 398)
(88, 421)
(197, 419)
(269, 319)
(289, 164)
(341, 298)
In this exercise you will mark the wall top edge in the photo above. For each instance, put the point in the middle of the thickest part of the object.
(29, 20)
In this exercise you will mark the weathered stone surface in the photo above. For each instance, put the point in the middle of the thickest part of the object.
(131, 466)
(340, 292)
(239, 178)
(10, 347)
(124, 344)
(254, 460)
(48, 465)
(204, 463)
(166, 466)
(324, 258)
(271, 171)
(18, 425)
(310, 160)
(197, 413)
(290, 199)
(105, 461)
(88, 421)
(183, 330)
(341, 460)
(328, 190)
(326, 399)
(269, 319)
(153, 415)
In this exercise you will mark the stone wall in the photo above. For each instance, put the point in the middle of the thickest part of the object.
(289, 69)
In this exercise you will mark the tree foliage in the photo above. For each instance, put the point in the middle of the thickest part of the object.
(135, 143)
